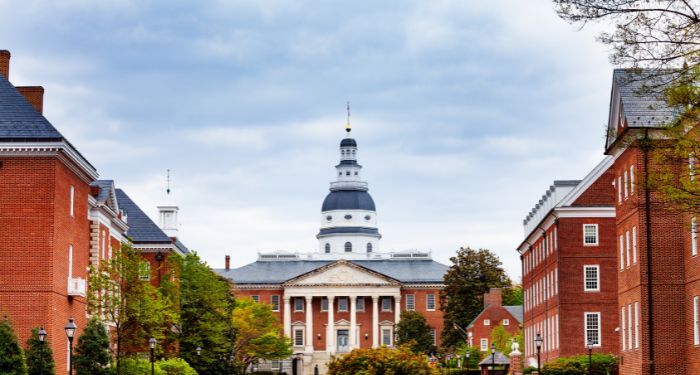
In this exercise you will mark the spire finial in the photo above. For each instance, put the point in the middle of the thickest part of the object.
(167, 191)
(347, 123)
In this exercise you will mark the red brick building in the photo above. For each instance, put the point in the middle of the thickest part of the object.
(494, 315)
(658, 266)
(348, 294)
(56, 219)
(569, 268)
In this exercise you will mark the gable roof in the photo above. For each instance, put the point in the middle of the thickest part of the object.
(499, 358)
(515, 311)
(278, 272)
(340, 263)
(107, 194)
(141, 228)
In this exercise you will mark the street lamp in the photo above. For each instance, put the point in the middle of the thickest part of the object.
(42, 335)
(589, 344)
(199, 351)
(538, 344)
(468, 354)
(493, 358)
(152, 345)
(70, 332)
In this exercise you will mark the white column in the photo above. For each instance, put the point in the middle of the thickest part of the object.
(353, 322)
(397, 309)
(330, 335)
(287, 321)
(375, 321)
(309, 325)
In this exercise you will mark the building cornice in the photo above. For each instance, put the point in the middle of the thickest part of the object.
(61, 149)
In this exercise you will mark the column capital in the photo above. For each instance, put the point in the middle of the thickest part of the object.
(375, 298)
(286, 298)
(309, 297)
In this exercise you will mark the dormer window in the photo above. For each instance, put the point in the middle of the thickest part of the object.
(369, 247)
(328, 248)
(348, 247)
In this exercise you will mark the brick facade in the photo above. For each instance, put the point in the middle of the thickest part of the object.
(495, 314)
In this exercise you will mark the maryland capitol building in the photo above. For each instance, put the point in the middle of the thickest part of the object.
(348, 294)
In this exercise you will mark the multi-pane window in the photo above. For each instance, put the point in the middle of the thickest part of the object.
(348, 247)
(360, 304)
(298, 337)
(484, 345)
(386, 303)
(631, 179)
(630, 331)
(487, 322)
(324, 304)
(592, 322)
(275, 364)
(342, 304)
(433, 334)
(506, 322)
(622, 253)
(634, 245)
(555, 238)
(624, 328)
(430, 302)
(298, 304)
(590, 234)
(627, 247)
(626, 184)
(144, 271)
(696, 320)
(255, 298)
(694, 235)
(619, 189)
(591, 282)
(636, 324)
(410, 302)
(386, 336)
(275, 302)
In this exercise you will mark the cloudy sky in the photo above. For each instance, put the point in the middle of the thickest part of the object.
(464, 111)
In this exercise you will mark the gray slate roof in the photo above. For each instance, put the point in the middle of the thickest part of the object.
(141, 228)
(499, 359)
(643, 100)
(277, 272)
(105, 186)
(516, 311)
(348, 200)
(19, 121)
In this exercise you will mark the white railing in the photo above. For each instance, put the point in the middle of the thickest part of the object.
(362, 185)
(77, 287)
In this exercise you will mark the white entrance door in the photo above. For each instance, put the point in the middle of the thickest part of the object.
(343, 340)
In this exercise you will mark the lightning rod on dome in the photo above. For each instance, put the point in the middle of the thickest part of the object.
(347, 123)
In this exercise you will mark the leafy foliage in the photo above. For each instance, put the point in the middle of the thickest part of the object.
(11, 354)
(258, 334)
(175, 366)
(513, 296)
(136, 308)
(414, 332)
(472, 273)
(206, 305)
(39, 356)
(92, 351)
(172, 366)
(380, 361)
(502, 339)
(602, 364)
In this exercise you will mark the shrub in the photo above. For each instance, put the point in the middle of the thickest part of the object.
(380, 361)
(136, 366)
(601, 364)
(39, 356)
(11, 353)
(92, 352)
(175, 366)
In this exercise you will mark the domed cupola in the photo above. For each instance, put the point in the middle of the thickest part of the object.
(348, 214)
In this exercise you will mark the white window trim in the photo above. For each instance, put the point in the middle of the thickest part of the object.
(412, 306)
(636, 325)
(631, 179)
(506, 322)
(623, 324)
(585, 329)
(70, 261)
(487, 322)
(295, 304)
(634, 245)
(427, 302)
(272, 304)
(597, 281)
(597, 240)
(622, 252)
(382, 302)
(619, 190)
(255, 298)
(433, 333)
(324, 308)
(357, 303)
(626, 184)
(627, 246)
(630, 332)
(484, 345)
(301, 329)
(347, 304)
(391, 336)
(72, 201)
(696, 321)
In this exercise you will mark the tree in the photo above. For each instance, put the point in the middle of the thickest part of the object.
(413, 331)
(136, 309)
(12, 360)
(513, 296)
(502, 339)
(258, 334)
(92, 351)
(206, 305)
(657, 34)
(472, 273)
(380, 361)
(39, 356)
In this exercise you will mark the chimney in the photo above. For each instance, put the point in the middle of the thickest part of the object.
(228, 262)
(494, 297)
(5, 63)
(34, 95)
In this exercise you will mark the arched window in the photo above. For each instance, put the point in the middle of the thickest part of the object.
(348, 247)
(369, 247)
(328, 248)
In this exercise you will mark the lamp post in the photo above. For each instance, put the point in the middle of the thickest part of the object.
(493, 358)
(152, 345)
(70, 332)
(42, 335)
(589, 344)
(199, 351)
(468, 354)
(538, 344)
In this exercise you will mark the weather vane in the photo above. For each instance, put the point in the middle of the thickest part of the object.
(168, 189)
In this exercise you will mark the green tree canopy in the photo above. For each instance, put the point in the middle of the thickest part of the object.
(414, 332)
(472, 273)
(258, 333)
(12, 360)
(206, 305)
(92, 351)
(380, 361)
(39, 356)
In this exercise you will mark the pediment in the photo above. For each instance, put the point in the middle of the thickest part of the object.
(342, 322)
(342, 272)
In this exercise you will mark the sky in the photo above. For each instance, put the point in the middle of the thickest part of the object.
(464, 111)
